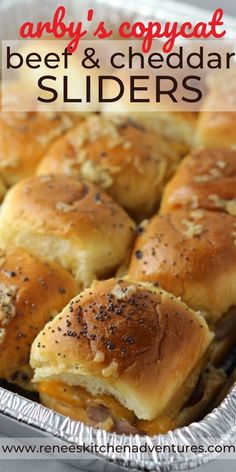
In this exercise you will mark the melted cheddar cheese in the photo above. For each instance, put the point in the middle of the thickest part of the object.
(75, 401)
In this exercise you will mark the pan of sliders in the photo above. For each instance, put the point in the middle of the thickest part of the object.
(118, 305)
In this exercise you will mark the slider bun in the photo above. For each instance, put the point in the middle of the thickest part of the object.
(31, 293)
(126, 339)
(205, 179)
(119, 155)
(70, 222)
(217, 120)
(216, 129)
(192, 254)
(26, 136)
(178, 126)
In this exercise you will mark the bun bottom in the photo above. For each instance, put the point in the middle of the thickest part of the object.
(106, 413)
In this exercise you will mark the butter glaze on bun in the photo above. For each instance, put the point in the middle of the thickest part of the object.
(216, 129)
(120, 156)
(31, 293)
(192, 254)
(67, 221)
(178, 127)
(126, 339)
(24, 139)
(217, 119)
(26, 136)
(205, 179)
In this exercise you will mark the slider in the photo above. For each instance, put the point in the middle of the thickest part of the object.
(165, 118)
(217, 117)
(31, 293)
(123, 355)
(126, 158)
(205, 179)
(192, 253)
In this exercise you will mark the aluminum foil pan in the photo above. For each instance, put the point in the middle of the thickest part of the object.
(217, 427)
(34, 419)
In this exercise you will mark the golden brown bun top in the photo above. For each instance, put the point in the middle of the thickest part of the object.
(24, 139)
(118, 154)
(26, 136)
(71, 222)
(125, 338)
(31, 292)
(205, 179)
(167, 120)
(192, 254)
(216, 129)
(176, 127)
(66, 207)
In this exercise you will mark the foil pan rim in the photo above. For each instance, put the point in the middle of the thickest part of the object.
(220, 424)
(162, 10)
